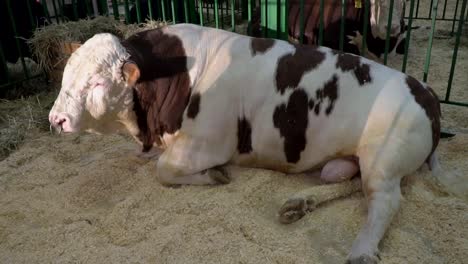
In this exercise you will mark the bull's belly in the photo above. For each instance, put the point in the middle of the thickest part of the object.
(257, 160)
(254, 160)
(273, 157)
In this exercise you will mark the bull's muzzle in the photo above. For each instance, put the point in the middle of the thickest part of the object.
(59, 122)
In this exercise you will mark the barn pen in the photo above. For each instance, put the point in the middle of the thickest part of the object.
(89, 198)
(273, 22)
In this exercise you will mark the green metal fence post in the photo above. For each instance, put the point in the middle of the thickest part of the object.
(417, 10)
(174, 19)
(150, 9)
(191, 11)
(163, 9)
(278, 17)
(61, 6)
(455, 51)
(207, 12)
(46, 10)
(127, 11)
(88, 8)
(245, 6)
(445, 9)
(222, 15)
(200, 10)
(15, 33)
(342, 25)
(249, 16)
(233, 20)
(31, 19)
(216, 13)
(286, 20)
(454, 18)
(55, 11)
(115, 9)
(186, 15)
(223, 12)
(430, 9)
(408, 36)
(387, 37)
(321, 22)
(365, 26)
(431, 38)
(75, 9)
(266, 31)
(138, 10)
(226, 10)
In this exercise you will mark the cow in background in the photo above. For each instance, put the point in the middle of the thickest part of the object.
(354, 24)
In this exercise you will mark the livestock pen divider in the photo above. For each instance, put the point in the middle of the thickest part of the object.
(274, 22)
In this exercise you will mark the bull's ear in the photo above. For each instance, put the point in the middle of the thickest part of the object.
(131, 73)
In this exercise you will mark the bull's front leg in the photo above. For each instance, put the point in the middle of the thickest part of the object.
(194, 161)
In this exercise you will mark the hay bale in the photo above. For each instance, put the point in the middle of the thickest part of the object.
(54, 44)
(47, 42)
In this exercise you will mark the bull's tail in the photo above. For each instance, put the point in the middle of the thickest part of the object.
(433, 162)
(452, 181)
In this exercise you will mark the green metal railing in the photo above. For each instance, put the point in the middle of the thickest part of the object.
(232, 14)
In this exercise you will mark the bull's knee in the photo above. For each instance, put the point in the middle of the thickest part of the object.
(338, 170)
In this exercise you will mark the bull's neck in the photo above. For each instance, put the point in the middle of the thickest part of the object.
(163, 89)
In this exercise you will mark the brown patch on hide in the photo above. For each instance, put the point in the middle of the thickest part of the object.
(330, 92)
(162, 92)
(244, 136)
(429, 101)
(292, 120)
(292, 66)
(347, 62)
(194, 106)
(260, 45)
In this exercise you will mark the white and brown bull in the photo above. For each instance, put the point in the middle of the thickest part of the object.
(211, 98)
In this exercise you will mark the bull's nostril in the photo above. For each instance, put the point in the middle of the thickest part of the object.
(61, 121)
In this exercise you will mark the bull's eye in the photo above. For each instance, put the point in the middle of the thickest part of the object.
(98, 84)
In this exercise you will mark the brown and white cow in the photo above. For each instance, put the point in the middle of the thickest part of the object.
(211, 97)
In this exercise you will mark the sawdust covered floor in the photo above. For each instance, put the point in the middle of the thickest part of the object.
(89, 199)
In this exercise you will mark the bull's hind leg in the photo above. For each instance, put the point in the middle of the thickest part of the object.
(194, 161)
(383, 163)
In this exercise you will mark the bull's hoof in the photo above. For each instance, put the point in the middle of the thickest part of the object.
(294, 209)
(219, 175)
(364, 259)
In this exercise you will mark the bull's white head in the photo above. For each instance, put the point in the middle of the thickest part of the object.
(380, 11)
(96, 94)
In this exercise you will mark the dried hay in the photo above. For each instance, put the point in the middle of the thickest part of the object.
(20, 117)
(128, 30)
(46, 42)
